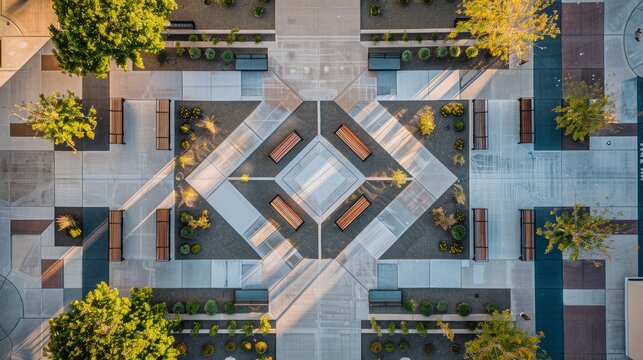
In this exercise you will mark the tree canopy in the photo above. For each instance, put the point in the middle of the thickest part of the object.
(578, 230)
(107, 326)
(59, 118)
(587, 109)
(508, 28)
(90, 33)
(499, 339)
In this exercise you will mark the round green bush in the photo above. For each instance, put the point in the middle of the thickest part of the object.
(454, 349)
(228, 3)
(376, 347)
(193, 37)
(195, 53)
(376, 38)
(419, 38)
(429, 349)
(210, 54)
(471, 52)
(246, 346)
(410, 305)
(458, 144)
(257, 11)
(207, 350)
(402, 2)
(185, 113)
(407, 55)
(178, 308)
(258, 38)
(460, 216)
(404, 345)
(426, 308)
(472, 325)
(261, 347)
(458, 125)
(184, 249)
(185, 144)
(375, 10)
(389, 347)
(424, 53)
(187, 232)
(227, 56)
(455, 51)
(442, 52)
(441, 306)
(458, 232)
(228, 308)
(463, 308)
(452, 109)
(490, 307)
(230, 346)
(196, 112)
(192, 307)
(185, 217)
(211, 307)
(195, 249)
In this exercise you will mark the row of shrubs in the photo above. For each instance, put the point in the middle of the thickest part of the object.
(429, 349)
(231, 37)
(247, 328)
(208, 350)
(196, 53)
(388, 36)
(462, 308)
(210, 307)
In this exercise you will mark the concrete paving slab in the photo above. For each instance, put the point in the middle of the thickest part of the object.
(445, 273)
(205, 178)
(196, 273)
(414, 273)
(234, 207)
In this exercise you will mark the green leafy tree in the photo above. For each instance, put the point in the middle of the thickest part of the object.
(90, 33)
(59, 118)
(499, 339)
(507, 28)
(578, 230)
(587, 109)
(108, 326)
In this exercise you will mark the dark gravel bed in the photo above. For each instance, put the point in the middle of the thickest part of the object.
(304, 121)
(482, 61)
(416, 15)
(416, 346)
(379, 193)
(420, 241)
(195, 344)
(260, 193)
(477, 298)
(219, 17)
(169, 61)
(200, 295)
(380, 163)
(222, 38)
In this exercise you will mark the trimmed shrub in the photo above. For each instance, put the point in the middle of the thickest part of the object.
(407, 55)
(258, 38)
(404, 327)
(185, 217)
(211, 307)
(193, 37)
(261, 347)
(388, 37)
(435, 36)
(228, 3)
(391, 328)
(376, 38)
(195, 328)
(389, 347)
(410, 305)
(207, 350)
(232, 327)
(454, 349)
(419, 38)
(424, 53)
(227, 56)
(246, 346)
(184, 249)
(429, 349)
(178, 308)
(214, 329)
(463, 308)
(490, 307)
(460, 215)
(441, 306)
(426, 308)
(208, 2)
(455, 51)
(402, 2)
(230, 346)
(195, 249)
(404, 345)
(185, 113)
(196, 112)
(472, 325)
(421, 329)
(182, 348)
(229, 308)
(458, 125)
(192, 307)
(405, 36)
(458, 144)
(242, 38)
(195, 53)
(187, 231)
(248, 328)
(375, 10)
(442, 51)
(376, 347)
(471, 52)
(257, 11)
(210, 54)
(458, 232)
(452, 109)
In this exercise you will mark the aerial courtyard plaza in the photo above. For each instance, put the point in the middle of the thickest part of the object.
(337, 179)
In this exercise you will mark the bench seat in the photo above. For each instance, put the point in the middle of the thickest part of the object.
(162, 234)
(287, 212)
(526, 121)
(481, 248)
(285, 146)
(249, 297)
(384, 298)
(353, 142)
(480, 125)
(116, 121)
(384, 61)
(163, 124)
(352, 213)
(251, 62)
(527, 234)
(115, 223)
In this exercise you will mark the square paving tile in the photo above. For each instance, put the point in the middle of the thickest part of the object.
(52, 274)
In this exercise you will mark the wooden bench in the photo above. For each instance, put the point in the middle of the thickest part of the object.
(162, 234)
(163, 124)
(285, 146)
(250, 297)
(527, 232)
(353, 212)
(116, 121)
(353, 142)
(480, 125)
(526, 120)
(481, 252)
(384, 298)
(181, 25)
(115, 222)
(287, 212)
(22, 130)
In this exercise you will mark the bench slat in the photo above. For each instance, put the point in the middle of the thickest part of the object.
(163, 124)
(526, 122)
(480, 125)
(287, 212)
(480, 235)
(115, 235)
(353, 142)
(527, 234)
(162, 234)
(352, 213)
(285, 146)
(116, 121)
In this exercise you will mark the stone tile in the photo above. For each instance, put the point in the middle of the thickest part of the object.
(71, 295)
(52, 274)
(68, 165)
(245, 140)
(35, 191)
(445, 273)
(615, 305)
(196, 273)
(205, 179)
(25, 255)
(376, 238)
(226, 158)
(234, 207)
(52, 302)
(414, 273)
(73, 273)
(27, 339)
(68, 192)
(615, 333)
(31, 302)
